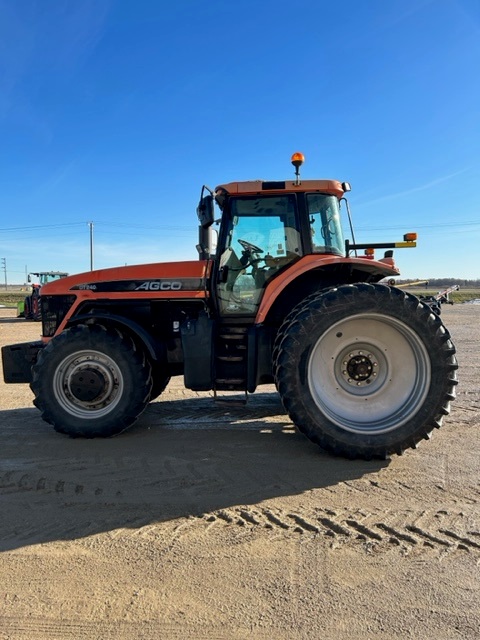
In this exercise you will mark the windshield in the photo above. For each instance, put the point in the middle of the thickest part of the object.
(325, 226)
(50, 277)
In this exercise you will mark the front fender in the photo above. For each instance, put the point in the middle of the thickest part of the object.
(156, 350)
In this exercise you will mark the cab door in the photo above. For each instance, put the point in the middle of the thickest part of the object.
(260, 238)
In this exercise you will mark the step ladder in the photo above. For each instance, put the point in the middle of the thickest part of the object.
(230, 364)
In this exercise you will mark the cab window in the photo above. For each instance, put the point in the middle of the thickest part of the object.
(325, 226)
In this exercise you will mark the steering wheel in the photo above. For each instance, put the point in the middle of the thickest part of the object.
(251, 248)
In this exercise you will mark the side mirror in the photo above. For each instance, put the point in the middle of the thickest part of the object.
(205, 212)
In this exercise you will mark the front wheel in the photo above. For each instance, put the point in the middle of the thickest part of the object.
(365, 370)
(91, 381)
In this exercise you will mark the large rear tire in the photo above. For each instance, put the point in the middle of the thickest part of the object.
(27, 313)
(36, 308)
(365, 370)
(91, 381)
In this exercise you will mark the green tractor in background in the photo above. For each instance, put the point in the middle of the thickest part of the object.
(30, 308)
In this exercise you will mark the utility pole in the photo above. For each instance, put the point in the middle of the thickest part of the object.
(4, 267)
(90, 224)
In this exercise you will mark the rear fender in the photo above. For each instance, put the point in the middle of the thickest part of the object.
(319, 272)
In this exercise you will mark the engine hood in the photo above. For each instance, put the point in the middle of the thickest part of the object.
(162, 276)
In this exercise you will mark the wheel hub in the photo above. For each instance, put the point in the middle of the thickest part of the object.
(359, 368)
(87, 384)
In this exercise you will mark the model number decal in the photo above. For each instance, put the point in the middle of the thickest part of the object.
(86, 287)
(159, 285)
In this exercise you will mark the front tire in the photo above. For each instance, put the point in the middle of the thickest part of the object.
(91, 381)
(366, 370)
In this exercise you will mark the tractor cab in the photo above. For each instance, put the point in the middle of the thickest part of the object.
(31, 309)
(264, 228)
(42, 277)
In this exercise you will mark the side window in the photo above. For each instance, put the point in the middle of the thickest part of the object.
(325, 227)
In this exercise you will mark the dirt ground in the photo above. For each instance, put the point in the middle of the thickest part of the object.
(212, 522)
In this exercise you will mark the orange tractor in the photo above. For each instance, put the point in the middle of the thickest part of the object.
(364, 369)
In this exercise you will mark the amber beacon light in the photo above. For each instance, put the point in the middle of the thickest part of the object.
(297, 160)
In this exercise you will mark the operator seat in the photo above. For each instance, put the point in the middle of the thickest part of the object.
(230, 260)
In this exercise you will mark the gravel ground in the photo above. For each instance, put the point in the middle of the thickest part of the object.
(211, 522)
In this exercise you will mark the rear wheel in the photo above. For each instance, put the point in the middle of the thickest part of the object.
(36, 308)
(289, 318)
(27, 313)
(365, 370)
(91, 381)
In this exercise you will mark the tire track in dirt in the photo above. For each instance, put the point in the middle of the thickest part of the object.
(19, 628)
(184, 477)
(436, 530)
(19, 481)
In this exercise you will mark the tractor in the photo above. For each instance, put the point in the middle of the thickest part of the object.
(32, 303)
(363, 369)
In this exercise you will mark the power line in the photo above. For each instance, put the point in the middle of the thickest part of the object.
(128, 225)
(166, 227)
(42, 226)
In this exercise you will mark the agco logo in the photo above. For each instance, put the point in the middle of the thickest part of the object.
(159, 285)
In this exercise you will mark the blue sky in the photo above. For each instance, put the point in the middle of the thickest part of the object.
(116, 113)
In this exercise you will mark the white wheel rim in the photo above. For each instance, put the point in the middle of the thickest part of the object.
(369, 373)
(73, 376)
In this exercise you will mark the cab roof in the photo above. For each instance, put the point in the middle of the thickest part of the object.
(254, 187)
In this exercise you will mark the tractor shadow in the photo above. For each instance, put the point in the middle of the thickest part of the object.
(183, 458)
